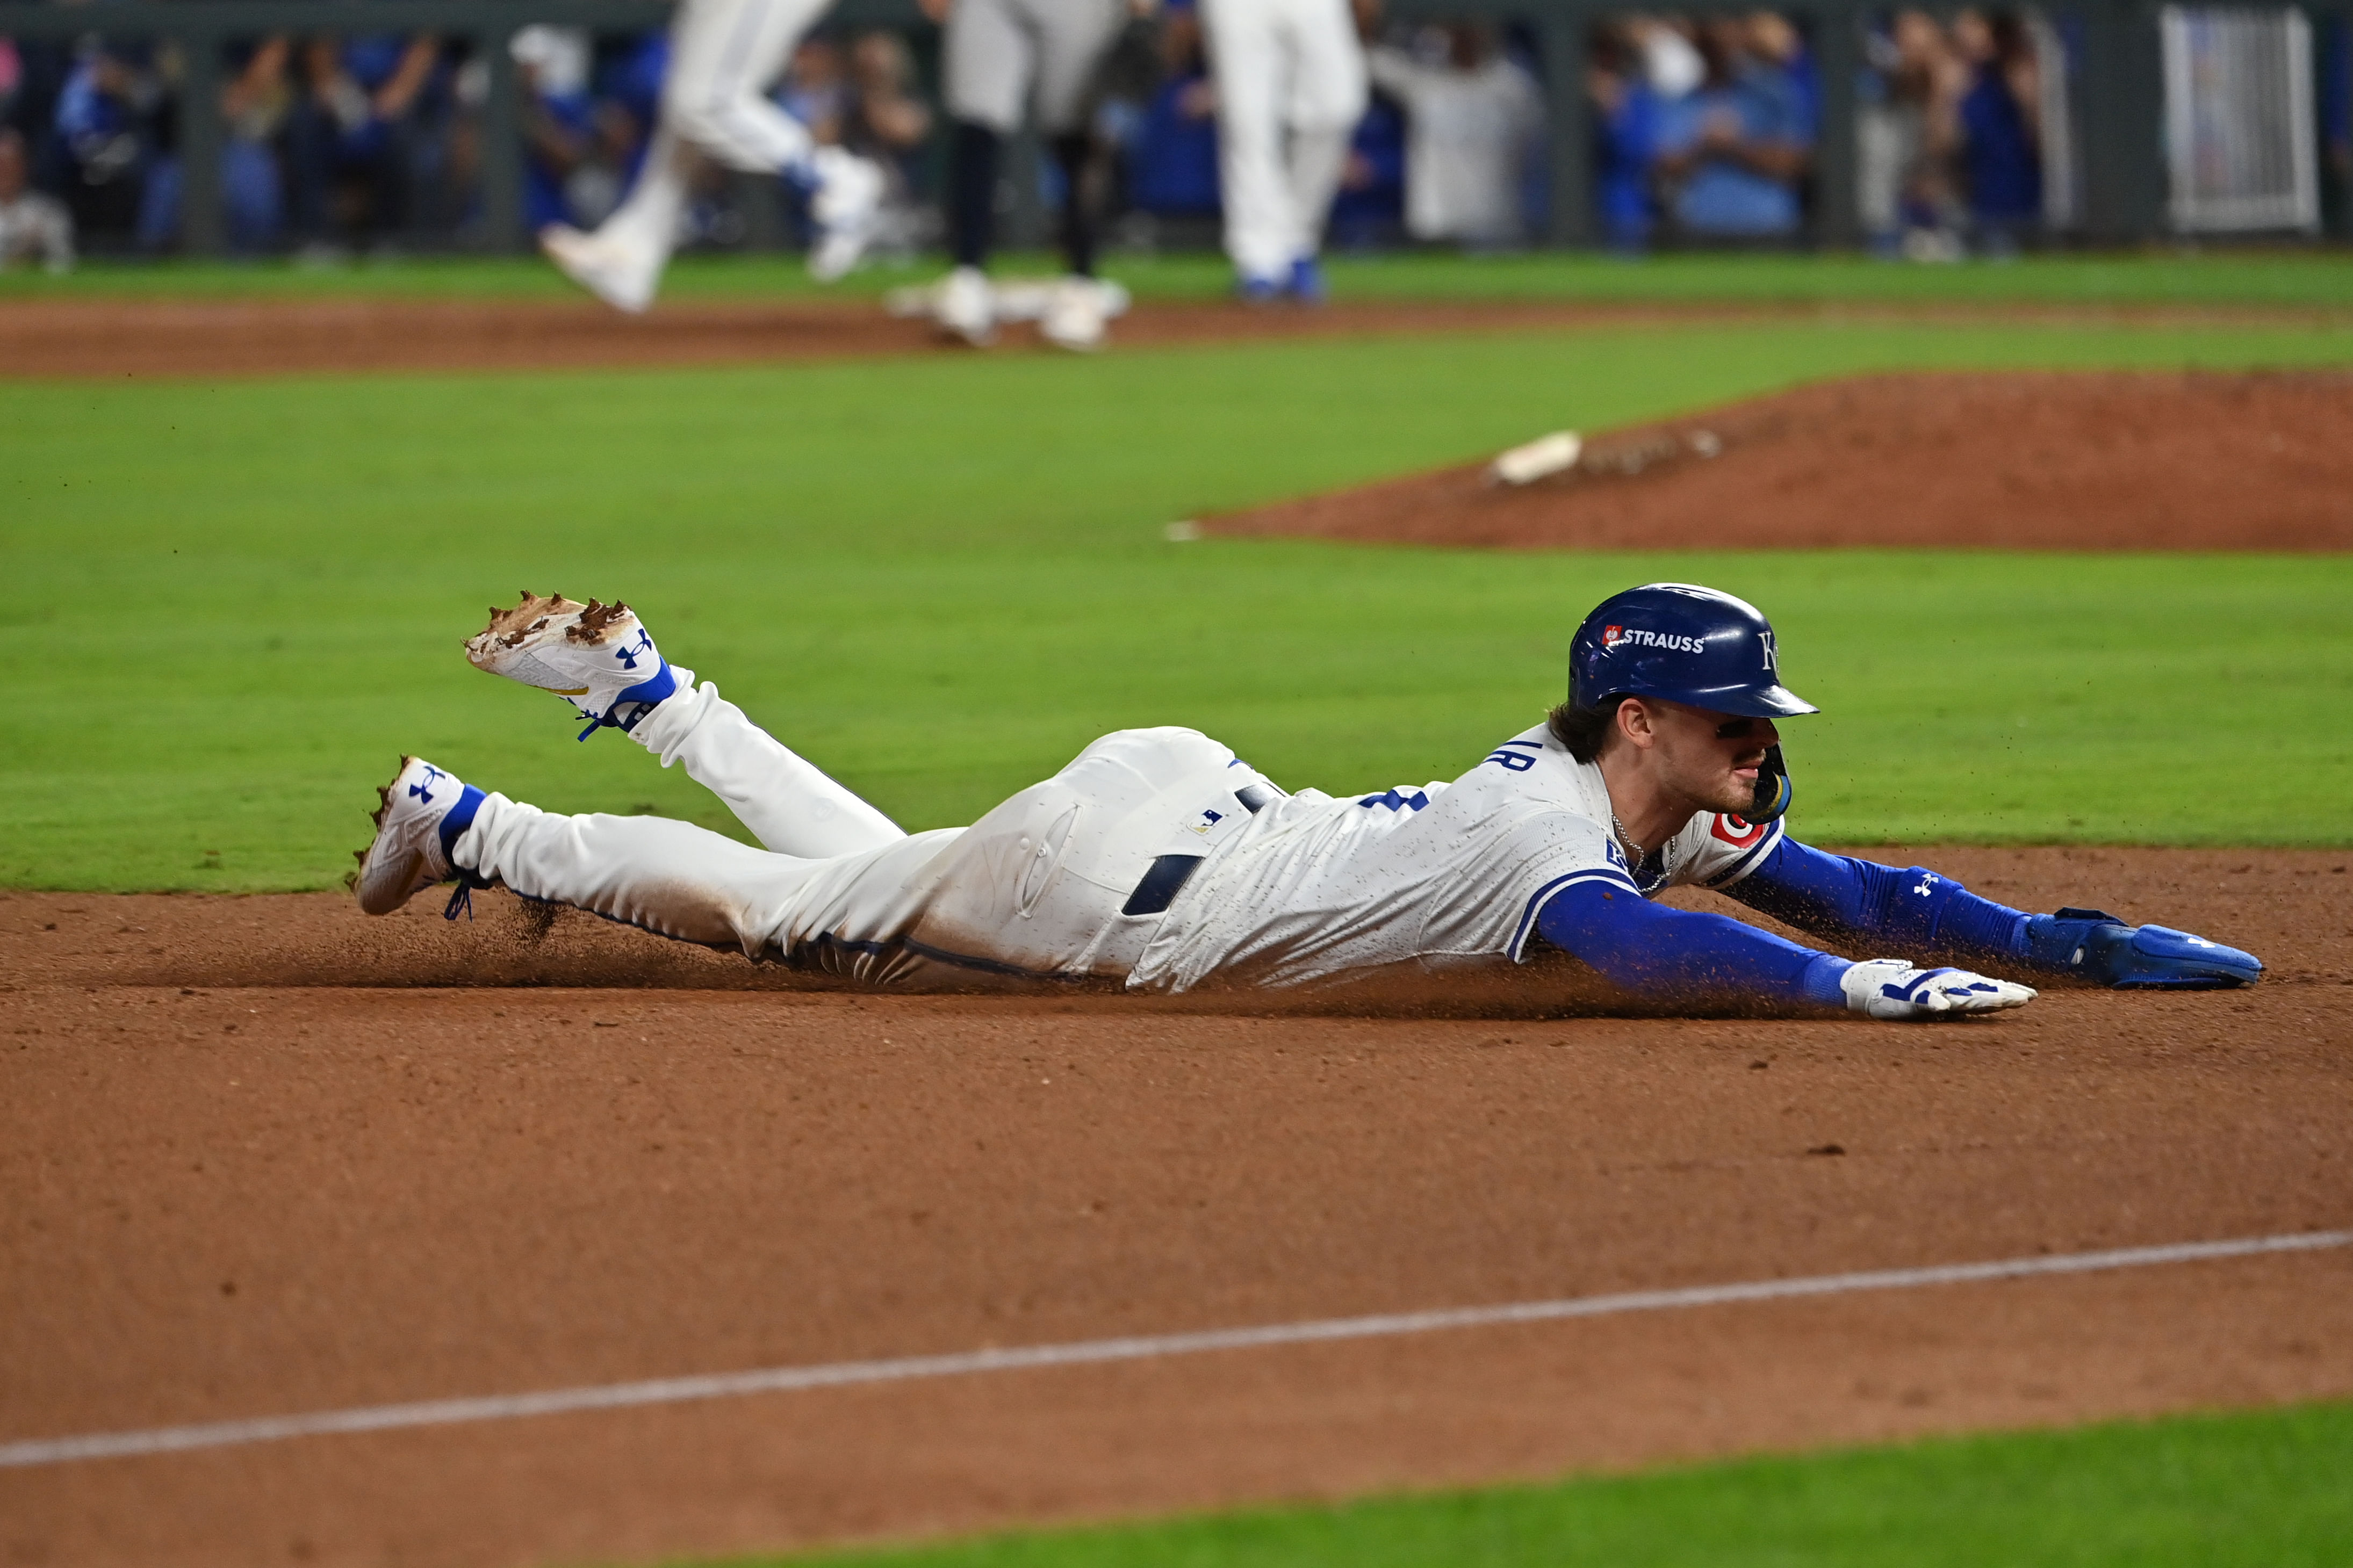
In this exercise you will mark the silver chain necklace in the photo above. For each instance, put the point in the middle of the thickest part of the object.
(1635, 855)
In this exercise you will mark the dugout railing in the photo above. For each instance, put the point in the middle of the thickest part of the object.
(2119, 79)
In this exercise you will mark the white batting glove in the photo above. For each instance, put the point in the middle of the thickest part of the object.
(1894, 992)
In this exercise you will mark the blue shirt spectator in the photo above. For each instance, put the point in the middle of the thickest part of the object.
(1370, 207)
(1628, 129)
(2001, 155)
(2005, 176)
(1173, 165)
(1733, 150)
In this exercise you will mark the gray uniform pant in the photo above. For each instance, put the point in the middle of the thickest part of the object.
(1001, 51)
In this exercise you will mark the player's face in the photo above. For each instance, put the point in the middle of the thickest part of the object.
(1711, 759)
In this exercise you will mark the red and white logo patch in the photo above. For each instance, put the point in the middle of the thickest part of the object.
(1738, 831)
(1612, 636)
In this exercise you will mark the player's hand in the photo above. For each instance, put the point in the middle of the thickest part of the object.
(2102, 949)
(1893, 990)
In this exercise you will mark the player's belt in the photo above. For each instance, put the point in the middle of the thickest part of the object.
(1159, 887)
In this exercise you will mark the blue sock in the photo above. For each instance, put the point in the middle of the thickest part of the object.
(460, 817)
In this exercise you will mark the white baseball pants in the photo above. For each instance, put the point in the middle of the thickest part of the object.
(1033, 890)
(1291, 88)
(723, 56)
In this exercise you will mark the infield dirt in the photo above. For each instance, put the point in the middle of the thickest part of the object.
(2015, 461)
(113, 339)
(261, 1156)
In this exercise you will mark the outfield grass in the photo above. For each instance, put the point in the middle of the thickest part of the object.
(2285, 278)
(2266, 1490)
(233, 604)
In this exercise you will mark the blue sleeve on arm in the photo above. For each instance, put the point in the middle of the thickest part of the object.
(1657, 951)
(1838, 896)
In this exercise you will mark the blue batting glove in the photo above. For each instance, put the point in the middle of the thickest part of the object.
(2096, 946)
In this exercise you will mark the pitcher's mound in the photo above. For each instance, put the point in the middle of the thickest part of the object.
(2037, 461)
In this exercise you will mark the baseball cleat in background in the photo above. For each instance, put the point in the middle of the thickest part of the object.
(964, 306)
(1078, 310)
(624, 281)
(1254, 290)
(418, 816)
(595, 656)
(845, 200)
(1305, 283)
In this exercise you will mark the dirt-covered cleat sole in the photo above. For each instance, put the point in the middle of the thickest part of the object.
(418, 816)
(597, 657)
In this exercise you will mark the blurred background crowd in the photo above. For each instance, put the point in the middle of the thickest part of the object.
(1703, 133)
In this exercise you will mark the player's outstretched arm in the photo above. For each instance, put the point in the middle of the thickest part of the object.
(1842, 899)
(1679, 955)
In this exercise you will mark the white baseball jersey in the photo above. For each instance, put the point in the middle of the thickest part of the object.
(1437, 875)
(1157, 859)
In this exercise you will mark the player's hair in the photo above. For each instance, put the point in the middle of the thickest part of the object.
(1585, 730)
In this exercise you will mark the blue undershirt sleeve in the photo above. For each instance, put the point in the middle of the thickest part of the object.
(1841, 897)
(1667, 953)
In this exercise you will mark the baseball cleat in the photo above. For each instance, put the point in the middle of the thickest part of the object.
(418, 815)
(1306, 281)
(1076, 314)
(965, 307)
(1255, 290)
(846, 200)
(595, 656)
(623, 282)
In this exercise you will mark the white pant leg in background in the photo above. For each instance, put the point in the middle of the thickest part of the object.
(788, 804)
(723, 56)
(1291, 88)
(1031, 892)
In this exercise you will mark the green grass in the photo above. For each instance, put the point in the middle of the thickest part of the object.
(232, 605)
(2263, 1490)
(2286, 278)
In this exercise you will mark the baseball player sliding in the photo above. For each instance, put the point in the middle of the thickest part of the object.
(723, 55)
(1157, 860)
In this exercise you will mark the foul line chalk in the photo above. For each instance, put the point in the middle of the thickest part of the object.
(1084, 1353)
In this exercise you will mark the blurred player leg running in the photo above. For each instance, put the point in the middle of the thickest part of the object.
(998, 52)
(1291, 88)
(723, 55)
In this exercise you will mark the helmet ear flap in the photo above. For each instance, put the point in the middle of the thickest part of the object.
(1774, 791)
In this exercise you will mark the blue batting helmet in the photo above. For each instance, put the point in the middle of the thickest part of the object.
(1682, 643)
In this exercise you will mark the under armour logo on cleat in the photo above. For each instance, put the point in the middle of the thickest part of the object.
(1923, 888)
(628, 655)
(423, 791)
